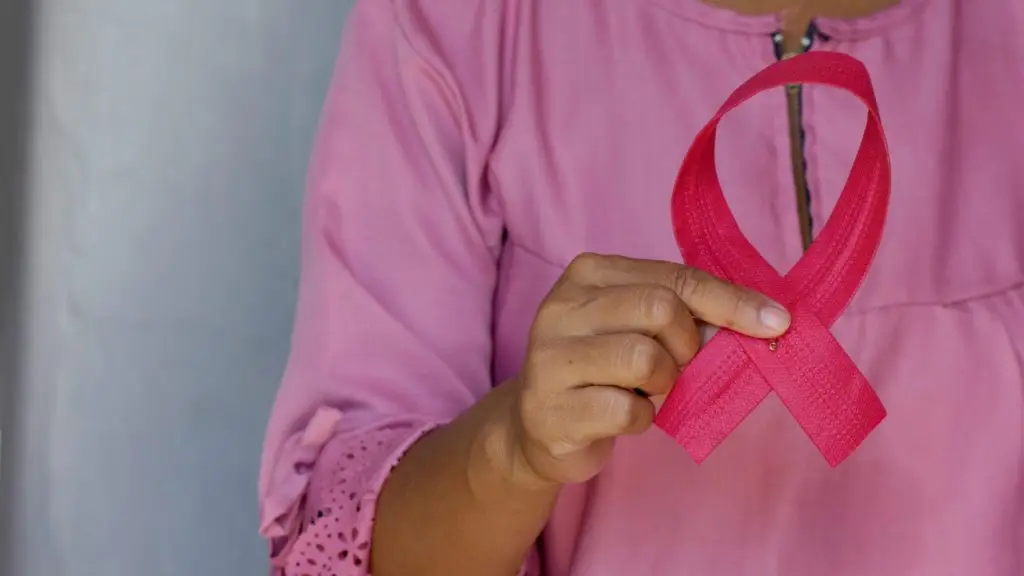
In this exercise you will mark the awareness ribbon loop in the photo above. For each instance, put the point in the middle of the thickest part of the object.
(806, 367)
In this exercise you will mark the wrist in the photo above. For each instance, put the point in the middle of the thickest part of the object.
(500, 452)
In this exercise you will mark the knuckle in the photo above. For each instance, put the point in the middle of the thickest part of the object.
(562, 416)
(660, 305)
(584, 265)
(544, 420)
(688, 283)
(538, 364)
(550, 410)
(548, 314)
(616, 413)
(542, 412)
(631, 415)
(639, 357)
(557, 308)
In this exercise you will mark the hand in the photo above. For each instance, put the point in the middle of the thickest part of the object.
(613, 333)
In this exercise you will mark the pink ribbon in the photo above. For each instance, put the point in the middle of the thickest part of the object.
(806, 367)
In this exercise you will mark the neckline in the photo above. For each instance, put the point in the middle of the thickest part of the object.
(723, 19)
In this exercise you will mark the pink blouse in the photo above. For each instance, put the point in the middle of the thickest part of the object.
(470, 148)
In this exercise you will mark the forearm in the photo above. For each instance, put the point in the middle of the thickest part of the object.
(454, 504)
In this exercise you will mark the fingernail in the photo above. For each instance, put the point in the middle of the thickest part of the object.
(774, 317)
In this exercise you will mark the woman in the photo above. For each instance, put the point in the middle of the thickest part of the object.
(459, 372)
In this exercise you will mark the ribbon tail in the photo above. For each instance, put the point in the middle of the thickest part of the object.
(712, 397)
(821, 387)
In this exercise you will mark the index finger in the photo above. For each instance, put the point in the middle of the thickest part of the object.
(710, 299)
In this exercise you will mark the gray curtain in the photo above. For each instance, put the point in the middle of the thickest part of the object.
(152, 156)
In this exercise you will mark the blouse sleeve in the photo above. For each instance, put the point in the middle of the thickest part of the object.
(399, 249)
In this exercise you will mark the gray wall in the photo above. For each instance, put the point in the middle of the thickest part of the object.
(164, 156)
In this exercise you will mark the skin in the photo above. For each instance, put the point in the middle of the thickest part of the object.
(609, 327)
(797, 14)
